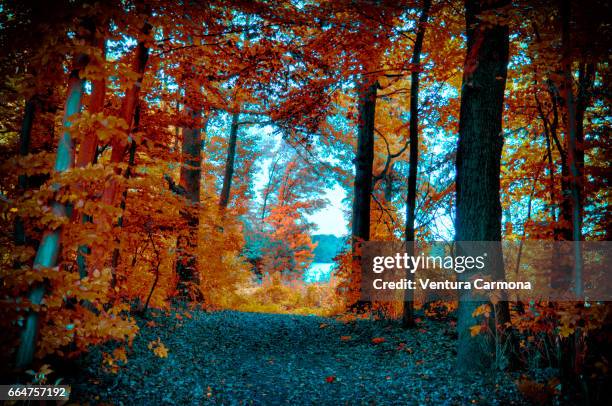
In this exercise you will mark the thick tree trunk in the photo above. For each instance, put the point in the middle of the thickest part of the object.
(478, 215)
(363, 168)
(48, 250)
(190, 170)
(229, 162)
(408, 310)
(186, 264)
(363, 163)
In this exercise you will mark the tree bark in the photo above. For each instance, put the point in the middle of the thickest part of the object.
(363, 163)
(478, 207)
(572, 147)
(128, 108)
(408, 309)
(122, 204)
(229, 162)
(48, 250)
(586, 77)
(363, 168)
(186, 264)
(24, 148)
(89, 147)
(572, 347)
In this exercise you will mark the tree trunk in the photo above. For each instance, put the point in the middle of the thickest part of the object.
(122, 205)
(363, 168)
(572, 348)
(48, 250)
(408, 310)
(24, 148)
(186, 264)
(363, 163)
(478, 207)
(572, 147)
(586, 77)
(229, 163)
(128, 108)
(89, 146)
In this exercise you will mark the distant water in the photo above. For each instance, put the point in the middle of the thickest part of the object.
(319, 272)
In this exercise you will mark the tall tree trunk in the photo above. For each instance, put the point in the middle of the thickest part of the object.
(229, 162)
(478, 215)
(120, 144)
(24, 148)
(408, 310)
(48, 250)
(122, 204)
(572, 347)
(586, 77)
(89, 146)
(363, 167)
(572, 147)
(186, 264)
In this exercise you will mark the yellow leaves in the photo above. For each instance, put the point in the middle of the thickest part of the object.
(93, 72)
(483, 309)
(158, 348)
(22, 254)
(112, 362)
(106, 127)
(119, 354)
(565, 331)
(475, 330)
(456, 81)
(45, 369)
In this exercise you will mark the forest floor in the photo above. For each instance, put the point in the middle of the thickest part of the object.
(252, 358)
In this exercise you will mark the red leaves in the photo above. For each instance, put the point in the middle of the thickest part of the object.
(378, 340)
(330, 379)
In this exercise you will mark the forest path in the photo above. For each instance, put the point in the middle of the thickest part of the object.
(251, 358)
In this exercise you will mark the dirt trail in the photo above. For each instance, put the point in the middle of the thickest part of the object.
(251, 358)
